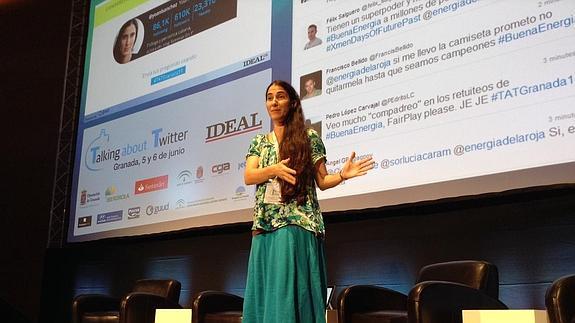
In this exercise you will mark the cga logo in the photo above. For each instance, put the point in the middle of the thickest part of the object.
(233, 127)
(220, 168)
(155, 209)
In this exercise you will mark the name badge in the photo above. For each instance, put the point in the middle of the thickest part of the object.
(273, 193)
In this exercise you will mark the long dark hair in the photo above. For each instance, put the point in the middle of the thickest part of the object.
(117, 54)
(295, 144)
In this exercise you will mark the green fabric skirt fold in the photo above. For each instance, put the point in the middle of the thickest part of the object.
(286, 278)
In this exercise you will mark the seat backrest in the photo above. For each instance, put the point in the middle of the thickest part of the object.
(560, 300)
(168, 288)
(480, 275)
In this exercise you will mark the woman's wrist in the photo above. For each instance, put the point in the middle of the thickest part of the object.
(341, 175)
(271, 172)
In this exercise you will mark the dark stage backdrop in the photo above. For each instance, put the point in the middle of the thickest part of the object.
(529, 236)
(33, 41)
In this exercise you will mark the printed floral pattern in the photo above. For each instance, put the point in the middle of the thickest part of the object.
(270, 217)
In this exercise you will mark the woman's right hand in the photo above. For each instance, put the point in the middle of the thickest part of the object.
(282, 171)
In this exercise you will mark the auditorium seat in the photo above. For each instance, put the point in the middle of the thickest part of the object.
(216, 306)
(442, 290)
(139, 306)
(560, 300)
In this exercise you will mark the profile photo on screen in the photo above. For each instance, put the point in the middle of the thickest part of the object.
(128, 41)
(312, 38)
(314, 123)
(310, 85)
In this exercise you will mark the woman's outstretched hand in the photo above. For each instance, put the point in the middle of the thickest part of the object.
(284, 172)
(352, 169)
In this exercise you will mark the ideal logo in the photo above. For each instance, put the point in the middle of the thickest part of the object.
(233, 127)
(220, 168)
(255, 60)
(184, 177)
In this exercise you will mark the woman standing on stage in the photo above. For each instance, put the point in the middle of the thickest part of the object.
(286, 272)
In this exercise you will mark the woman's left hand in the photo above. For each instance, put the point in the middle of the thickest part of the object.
(352, 169)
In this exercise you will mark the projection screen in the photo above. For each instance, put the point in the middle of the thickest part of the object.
(451, 98)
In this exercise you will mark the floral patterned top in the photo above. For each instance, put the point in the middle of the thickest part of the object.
(269, 217)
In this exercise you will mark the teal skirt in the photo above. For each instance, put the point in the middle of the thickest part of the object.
(286, 278)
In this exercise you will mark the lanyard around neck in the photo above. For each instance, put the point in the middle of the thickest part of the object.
(276, 145)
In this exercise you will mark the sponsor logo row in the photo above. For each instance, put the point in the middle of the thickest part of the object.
(188, 177)
(155, 209)
(158, 183)
(118, 215)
